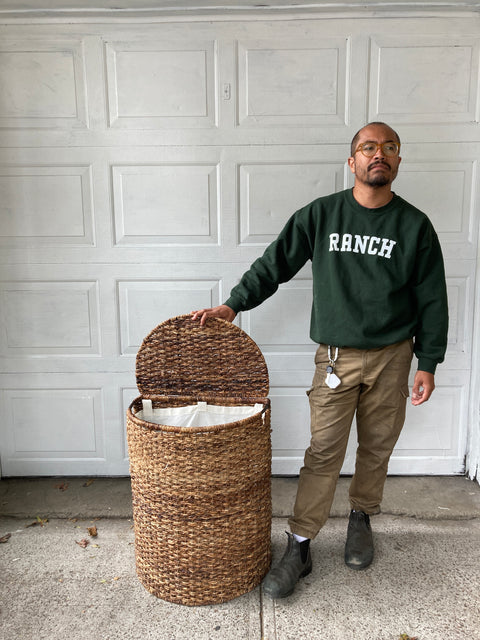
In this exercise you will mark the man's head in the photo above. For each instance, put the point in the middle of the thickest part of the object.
(375, 155)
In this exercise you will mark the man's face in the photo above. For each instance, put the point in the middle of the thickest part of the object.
(379, 170)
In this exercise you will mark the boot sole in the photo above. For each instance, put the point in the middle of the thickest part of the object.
(359, 567)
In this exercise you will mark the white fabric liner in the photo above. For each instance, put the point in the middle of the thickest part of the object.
(196, 415)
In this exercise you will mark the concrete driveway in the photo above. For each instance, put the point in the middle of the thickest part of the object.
(424, 581)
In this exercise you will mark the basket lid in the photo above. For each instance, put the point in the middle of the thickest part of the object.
(180, 357)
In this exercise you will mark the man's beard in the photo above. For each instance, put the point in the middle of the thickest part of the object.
(378, 179)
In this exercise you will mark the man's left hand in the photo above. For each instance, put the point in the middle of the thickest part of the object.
(423, 387)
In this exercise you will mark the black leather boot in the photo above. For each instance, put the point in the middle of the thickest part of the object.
(281, 580)
(359, 545)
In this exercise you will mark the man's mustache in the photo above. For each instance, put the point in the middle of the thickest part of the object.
(379, 163)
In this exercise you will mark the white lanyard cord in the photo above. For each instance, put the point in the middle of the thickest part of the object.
(330, 354)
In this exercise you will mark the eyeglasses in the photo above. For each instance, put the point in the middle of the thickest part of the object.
(369, 149)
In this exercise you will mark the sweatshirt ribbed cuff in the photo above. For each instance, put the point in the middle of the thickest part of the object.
(425, 364)
(233, 304)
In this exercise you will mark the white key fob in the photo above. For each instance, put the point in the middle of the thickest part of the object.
(332, 380)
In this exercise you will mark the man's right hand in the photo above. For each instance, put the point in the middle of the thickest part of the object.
(222, 311)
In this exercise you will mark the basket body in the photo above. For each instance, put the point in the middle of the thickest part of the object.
(201, 495)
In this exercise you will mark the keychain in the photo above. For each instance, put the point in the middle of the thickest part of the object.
(332, 380)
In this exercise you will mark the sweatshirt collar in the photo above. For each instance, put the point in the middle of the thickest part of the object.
(377, 210)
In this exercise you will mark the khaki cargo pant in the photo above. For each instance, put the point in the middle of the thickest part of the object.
(374, 384)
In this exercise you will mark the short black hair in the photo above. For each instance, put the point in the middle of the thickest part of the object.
(357, 135)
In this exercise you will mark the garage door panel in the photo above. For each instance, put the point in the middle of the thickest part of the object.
(292, 83)
(175, 79)
(50, 318)
(52, 428)
(174, 204)
(461, 295)
(46, 80)
(59, 424)
(46, 205)
(424, 79)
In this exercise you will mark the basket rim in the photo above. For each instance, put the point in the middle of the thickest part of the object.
(153, 426)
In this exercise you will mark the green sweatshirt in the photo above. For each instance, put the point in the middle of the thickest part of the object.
(378, 275)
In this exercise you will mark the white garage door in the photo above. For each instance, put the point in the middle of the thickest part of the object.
(145, 166)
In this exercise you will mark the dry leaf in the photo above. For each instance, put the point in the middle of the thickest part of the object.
(6, 537)
(92, 531)
(62, 487)
(83, 543)
(405, 636)
(89, 482)
(40, 521)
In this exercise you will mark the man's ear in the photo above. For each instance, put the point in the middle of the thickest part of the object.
(351, 164)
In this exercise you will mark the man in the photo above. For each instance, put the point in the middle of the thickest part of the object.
(379, 296)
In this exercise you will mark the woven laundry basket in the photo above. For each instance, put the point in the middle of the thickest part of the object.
(202, 494)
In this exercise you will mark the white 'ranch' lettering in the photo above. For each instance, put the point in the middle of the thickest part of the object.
(346, 242)
(334, 238)
(371, 250)
(362, 244)
(386, 248)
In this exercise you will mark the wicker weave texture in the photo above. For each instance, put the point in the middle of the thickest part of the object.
(201, 506)
(180, 357)
(201, 495)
